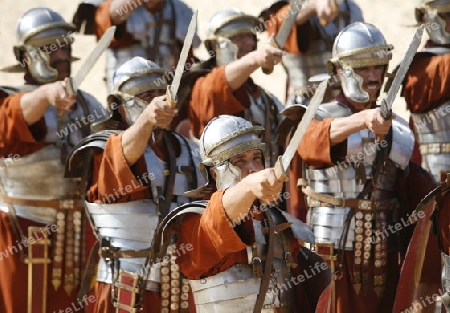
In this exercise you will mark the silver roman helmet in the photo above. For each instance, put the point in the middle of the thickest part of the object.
(225, 24)
(430, 12)
(224, 137)
(36, 29)
(133, 77)
(358, 45)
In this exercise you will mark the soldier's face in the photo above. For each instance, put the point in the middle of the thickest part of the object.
(248, 162)
(245, 42)
(60, 60)
(372, 80)
(148, 96)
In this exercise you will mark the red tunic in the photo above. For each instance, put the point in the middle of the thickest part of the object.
(211, 97)
(316, 151)
(111, 173)
(216, 247)
(17, 138)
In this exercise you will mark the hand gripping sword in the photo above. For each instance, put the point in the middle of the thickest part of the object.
(282, 165)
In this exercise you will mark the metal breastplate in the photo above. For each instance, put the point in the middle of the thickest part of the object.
(236, 289)
(127, 226)
(346, 180)
(40, 175)
(158, 172)
(257, 114)
(432, 130)
(131, 225)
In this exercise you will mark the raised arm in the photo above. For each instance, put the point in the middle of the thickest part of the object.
(35, 103)
(371, 119)
(238, 199)
(237, 72)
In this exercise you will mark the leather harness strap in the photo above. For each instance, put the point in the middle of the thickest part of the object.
(265, 279)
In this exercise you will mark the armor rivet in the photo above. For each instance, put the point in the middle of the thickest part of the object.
(203, 281)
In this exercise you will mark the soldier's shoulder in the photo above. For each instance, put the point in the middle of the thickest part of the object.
(332, 109)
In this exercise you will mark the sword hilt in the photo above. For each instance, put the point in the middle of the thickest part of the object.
(386, 110)
(386, 114)
(280, 171)
(171, 98)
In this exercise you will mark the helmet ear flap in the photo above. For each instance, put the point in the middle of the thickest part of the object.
(331, 66)
(419, 14)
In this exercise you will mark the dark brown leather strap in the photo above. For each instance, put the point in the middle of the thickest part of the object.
(170, 181)
(265, 279)
(89, 271)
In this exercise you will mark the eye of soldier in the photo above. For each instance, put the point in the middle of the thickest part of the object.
(150, 94)
(241, 159)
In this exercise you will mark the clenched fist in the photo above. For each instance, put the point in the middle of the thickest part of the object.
(58, 96)
(264, 185)
(159, 112)
(376, 123)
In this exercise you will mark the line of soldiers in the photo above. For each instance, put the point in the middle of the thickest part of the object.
(196, 222)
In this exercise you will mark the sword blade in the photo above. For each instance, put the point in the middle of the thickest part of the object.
(173, 88)
(386, 106)
(304, 124)
(285, 160)
(285, 29)
(95, 54)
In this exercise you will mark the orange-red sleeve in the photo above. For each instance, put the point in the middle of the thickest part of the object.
(103, 21)
(113, 180)
(16, 137)
(315, 148)
(211, 243)
(273, 26)
(427, 82)
(212, 96)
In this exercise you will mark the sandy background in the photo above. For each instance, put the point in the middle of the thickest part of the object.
(392, 17)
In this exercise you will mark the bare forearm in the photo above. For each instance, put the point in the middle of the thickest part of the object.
(343, 127)
(120, 10)
(135, 140)
(34, 104)
(237, 201)
(237, 72)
